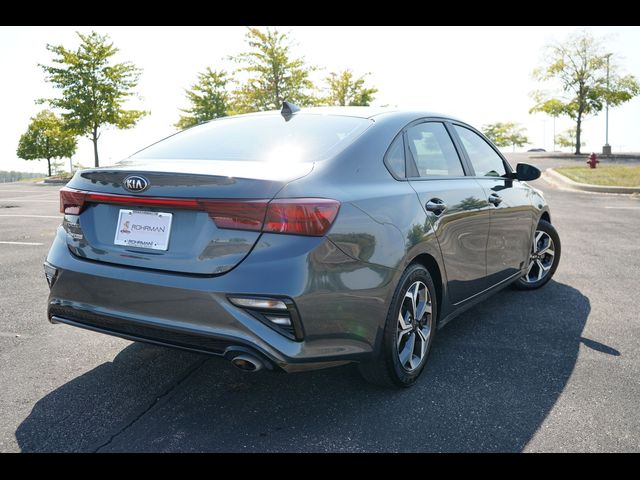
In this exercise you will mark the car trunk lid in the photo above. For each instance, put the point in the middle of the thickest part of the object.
(189, 217)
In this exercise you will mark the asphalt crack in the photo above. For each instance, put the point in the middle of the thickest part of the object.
(187, 373)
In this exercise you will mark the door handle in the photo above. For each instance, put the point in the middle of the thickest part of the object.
(436, 205)
(495, 199)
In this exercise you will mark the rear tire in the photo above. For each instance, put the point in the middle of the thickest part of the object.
(544, 258)
(408, 334)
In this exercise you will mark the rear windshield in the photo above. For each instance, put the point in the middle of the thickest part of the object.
(304, 138)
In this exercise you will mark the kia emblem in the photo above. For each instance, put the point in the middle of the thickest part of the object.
(135, 183)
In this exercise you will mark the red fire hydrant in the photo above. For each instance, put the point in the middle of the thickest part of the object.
(593, 160)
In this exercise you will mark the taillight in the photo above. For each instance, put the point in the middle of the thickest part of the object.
(236, 215)
(295, 216)
(301, 216)
(71, 201)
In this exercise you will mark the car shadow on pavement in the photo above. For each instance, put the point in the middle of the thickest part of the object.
(494, 375)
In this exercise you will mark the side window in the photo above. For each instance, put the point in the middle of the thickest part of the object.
(395, 157)
(485, 161)
(432, 150)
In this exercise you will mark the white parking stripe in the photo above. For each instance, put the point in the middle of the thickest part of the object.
(34, 216)
(17, 190)
(20, 243)
(21, 199)
(625, 208)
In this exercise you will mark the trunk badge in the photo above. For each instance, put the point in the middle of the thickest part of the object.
(135, 183)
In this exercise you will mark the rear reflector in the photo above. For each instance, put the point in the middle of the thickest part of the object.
(259, 303)
(278, 313)
(280, 320)
(50, 273)
(295, 216)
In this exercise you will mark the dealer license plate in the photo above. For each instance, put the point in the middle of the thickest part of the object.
(143, 229)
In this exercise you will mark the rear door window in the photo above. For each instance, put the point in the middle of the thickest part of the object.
(432, 151)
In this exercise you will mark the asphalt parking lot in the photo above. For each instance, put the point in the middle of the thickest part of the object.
(551, 370)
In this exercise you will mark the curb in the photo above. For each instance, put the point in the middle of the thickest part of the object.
(615, 158)
(54, 182)
(550, 173)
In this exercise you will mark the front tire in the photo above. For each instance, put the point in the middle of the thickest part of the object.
(409, 331)
(543, 259)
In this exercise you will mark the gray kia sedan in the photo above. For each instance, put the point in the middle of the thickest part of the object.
(300, 239)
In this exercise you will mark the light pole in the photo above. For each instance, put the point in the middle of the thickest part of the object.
(606, 149)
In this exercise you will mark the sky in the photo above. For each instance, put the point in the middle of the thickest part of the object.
(478, 74)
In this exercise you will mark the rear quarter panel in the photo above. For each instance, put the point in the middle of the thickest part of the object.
(381, 221)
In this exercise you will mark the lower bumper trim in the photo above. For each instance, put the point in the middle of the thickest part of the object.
(167, 338)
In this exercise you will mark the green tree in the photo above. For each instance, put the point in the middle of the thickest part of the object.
(46, 138)
(568, 138)
(416, 235)
(579, 67)
(504, 134)
(344, 89)
(93, 88)
(209, 99)
(272, 76)
(470, 203)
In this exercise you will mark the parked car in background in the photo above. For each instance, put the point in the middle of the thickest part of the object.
(299, 240)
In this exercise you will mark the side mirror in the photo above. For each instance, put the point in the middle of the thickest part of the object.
(526, 172)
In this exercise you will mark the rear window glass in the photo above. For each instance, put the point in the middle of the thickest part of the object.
(304, 138)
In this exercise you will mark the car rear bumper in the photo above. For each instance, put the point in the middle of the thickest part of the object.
(135, 330)
(342, 302)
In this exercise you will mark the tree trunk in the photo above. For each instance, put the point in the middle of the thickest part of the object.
(581, 107)
(94, 139)
(578, 132)
(278, 99)
(49, 165)
(276, 87)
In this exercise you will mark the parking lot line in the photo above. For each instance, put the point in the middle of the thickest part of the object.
(20, 243)
(22, 199)
(18, 190)
(34, 216)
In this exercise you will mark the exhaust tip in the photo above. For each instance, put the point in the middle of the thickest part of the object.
(247, 363)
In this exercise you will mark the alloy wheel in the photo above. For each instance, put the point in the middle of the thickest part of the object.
(415, 323)
(541, 259)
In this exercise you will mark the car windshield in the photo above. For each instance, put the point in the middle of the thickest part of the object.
(268, 138)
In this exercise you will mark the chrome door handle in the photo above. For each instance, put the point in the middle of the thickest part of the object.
(436, 206)
(495, 199)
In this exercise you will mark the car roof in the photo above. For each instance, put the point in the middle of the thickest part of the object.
(372, 113)
(362, 112)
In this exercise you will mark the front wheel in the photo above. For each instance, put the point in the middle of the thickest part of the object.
(543, 259)
(409, 331)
